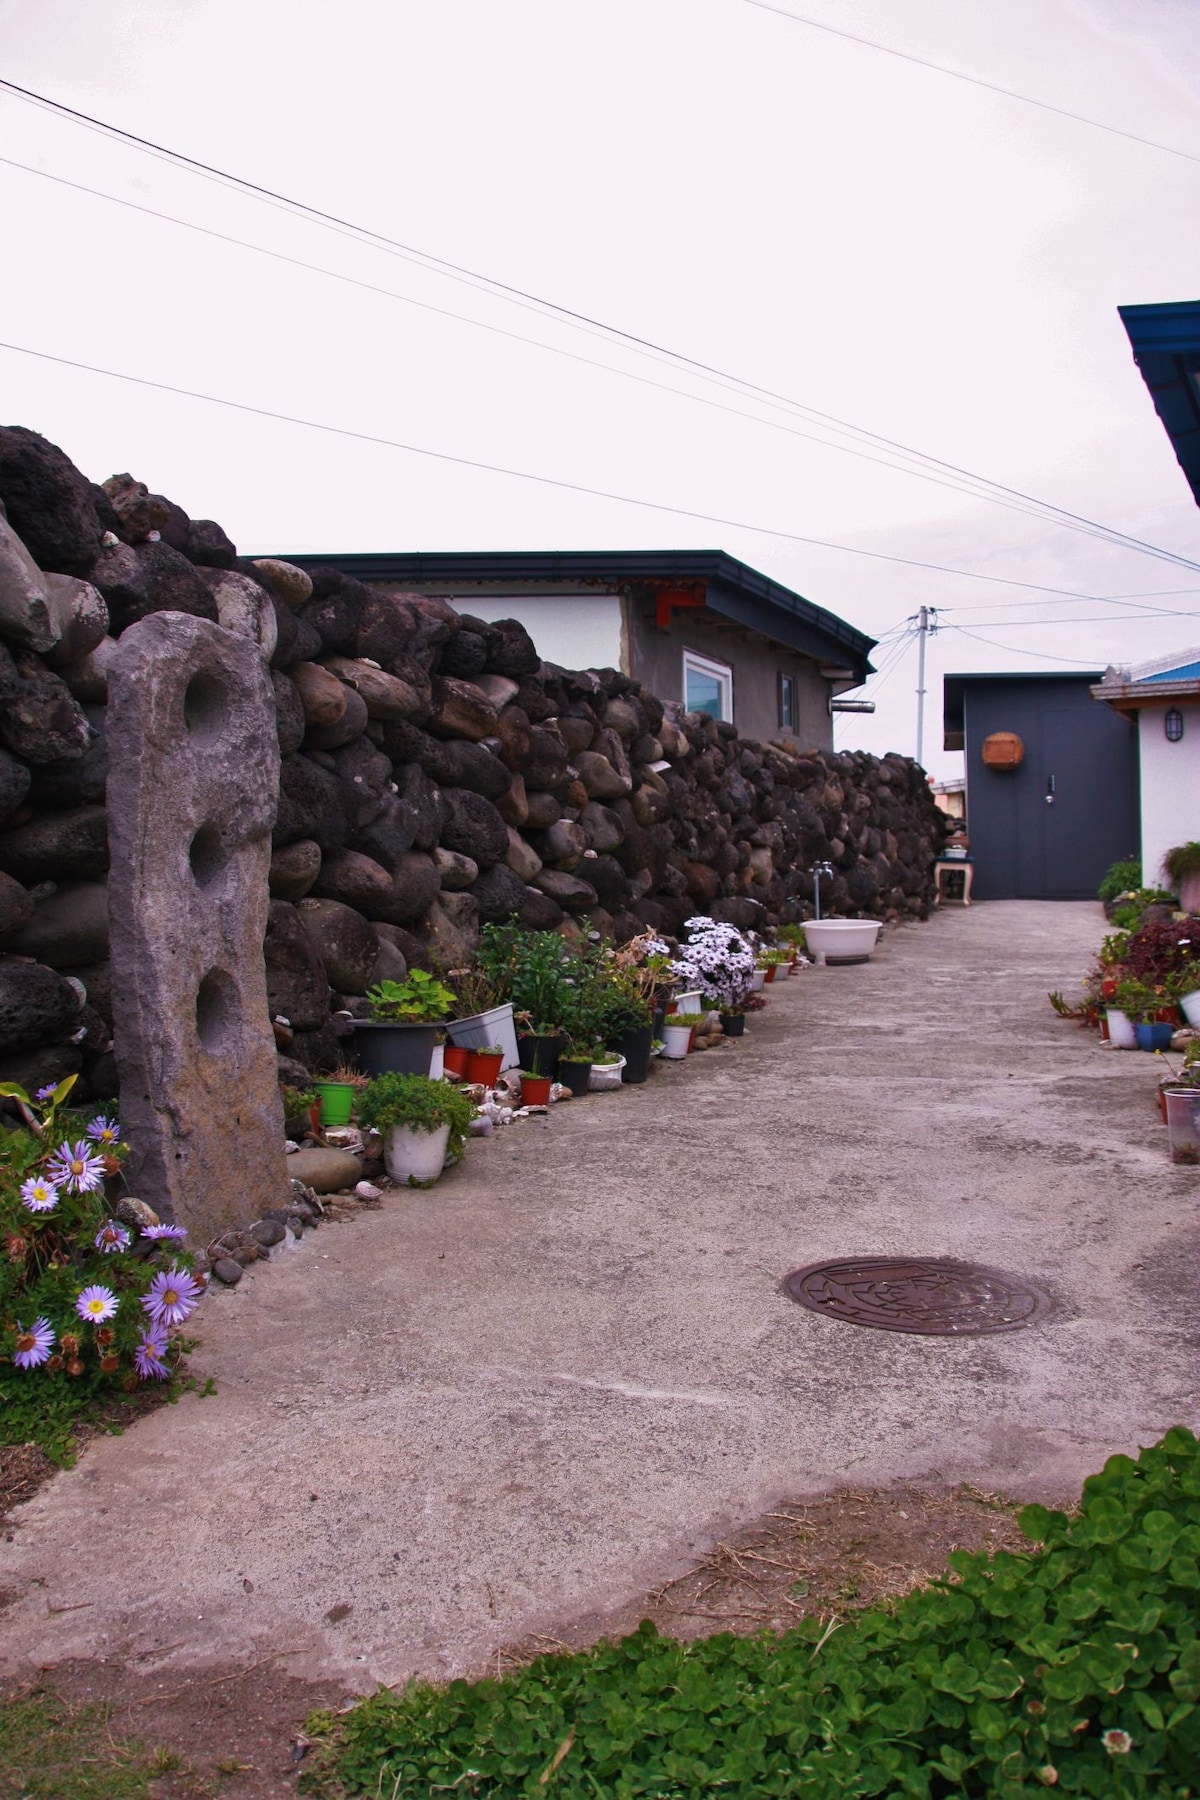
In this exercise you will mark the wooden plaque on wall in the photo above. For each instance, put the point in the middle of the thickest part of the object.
(1003, 750)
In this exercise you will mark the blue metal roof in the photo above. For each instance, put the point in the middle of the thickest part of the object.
(1185, 672)
(1166, 349)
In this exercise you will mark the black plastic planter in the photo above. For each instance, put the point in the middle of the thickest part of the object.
(574, 1075)
(733, 1024)
(539, 1055)
(382, 1046)
(634, 1046)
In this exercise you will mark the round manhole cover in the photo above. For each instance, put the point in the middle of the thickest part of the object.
(931, 1295)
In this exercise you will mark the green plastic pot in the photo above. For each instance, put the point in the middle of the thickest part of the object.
(337, 1101)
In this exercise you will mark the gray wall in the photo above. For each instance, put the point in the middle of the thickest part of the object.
(656, 658)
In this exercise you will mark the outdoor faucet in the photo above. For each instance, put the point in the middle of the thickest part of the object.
(819, 869)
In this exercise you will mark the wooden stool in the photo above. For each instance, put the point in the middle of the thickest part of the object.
(949, 865)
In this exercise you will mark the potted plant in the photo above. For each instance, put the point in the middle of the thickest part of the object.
(606, 1071)
(1139, 1003)
(336, 1093)
(791, 938)
(677, 1035)
(1184, 985)
(455, 1059)
(535, 1089)
(722, 963)
(1182, 864)
(485, 1065)
(483, 1009)
(639, 982)
(402, 1030)
(421, 1122)
(575, 1068)
(298, 1105)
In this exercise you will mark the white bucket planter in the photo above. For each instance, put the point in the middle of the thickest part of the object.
(841, 940)
(1121, 1032)
(758, 981)
(415, 1156)
(482, 1030)
(1191, 1007)
(687, 1003)
(676, 1039)
(437, 1063)
(605, 1076)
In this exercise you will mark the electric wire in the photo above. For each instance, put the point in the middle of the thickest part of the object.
(573, 487)
(992, 87)
(1014, 650)
(577, 319)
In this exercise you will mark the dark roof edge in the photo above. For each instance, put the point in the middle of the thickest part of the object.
(584, 565)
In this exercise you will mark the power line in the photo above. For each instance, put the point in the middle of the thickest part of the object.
(573, 487)
(1093, 619)
(1014, 650)
(992, 87)
(584, 321)
(1103, 533)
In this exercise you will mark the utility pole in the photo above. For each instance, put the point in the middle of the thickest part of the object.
(926, 622)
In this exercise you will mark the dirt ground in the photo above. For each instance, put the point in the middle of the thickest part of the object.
(239, 1732)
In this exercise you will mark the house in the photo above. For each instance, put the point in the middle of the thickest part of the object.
(1163, 699)
(1163, 696)
(691, 625)
(1051, 783)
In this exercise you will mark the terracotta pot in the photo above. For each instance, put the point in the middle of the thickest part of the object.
(456, 1059)
(485, 1068)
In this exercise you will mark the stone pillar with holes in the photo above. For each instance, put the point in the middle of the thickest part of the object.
(192, 792)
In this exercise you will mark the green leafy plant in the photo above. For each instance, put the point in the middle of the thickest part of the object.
(418, 1104)
(1127, 915)
(1122, 878)
(1183, 860)
(1076, 1666)
(420, 999)
(792, 934)
(1139, 1000)
(297, 1101)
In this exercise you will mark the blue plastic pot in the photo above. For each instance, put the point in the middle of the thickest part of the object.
(1154, 1037)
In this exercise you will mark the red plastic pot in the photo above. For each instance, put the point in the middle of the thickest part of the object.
(535, 1089)
(768, 973)
(456, 1060)
(484, 1066)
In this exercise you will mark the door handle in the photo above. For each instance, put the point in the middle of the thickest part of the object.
(1049, 790)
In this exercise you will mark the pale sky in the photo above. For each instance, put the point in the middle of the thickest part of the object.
(908, 253)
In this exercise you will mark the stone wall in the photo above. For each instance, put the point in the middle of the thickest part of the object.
(435, 774)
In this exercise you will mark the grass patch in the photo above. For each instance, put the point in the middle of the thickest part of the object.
(49, 1750)
(1074, 1666)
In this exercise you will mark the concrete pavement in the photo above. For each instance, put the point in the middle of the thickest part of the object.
(536, 1390)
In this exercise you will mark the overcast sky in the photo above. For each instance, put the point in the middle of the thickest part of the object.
(897, 249)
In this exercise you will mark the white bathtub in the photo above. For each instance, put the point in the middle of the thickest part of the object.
(841, 940)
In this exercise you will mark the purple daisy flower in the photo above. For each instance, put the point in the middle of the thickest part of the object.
(111, 1236)
(104, 1132)
(174, 1233)
(148, 1358)
(33, 1345)
(39, 1194)
(45, 1093)
(95, 1304)
(76, 1167)
(171, 1297)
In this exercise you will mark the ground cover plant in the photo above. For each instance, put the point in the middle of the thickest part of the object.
(1122, 878)
(1075, 1666)
(91, 1303)
(49, 1749)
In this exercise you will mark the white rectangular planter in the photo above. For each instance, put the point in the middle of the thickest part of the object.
(482, 1029)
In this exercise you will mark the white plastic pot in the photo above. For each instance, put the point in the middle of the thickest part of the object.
(1121, 1032)
(415, 1155)
(841, 940)
(758, 981)
(1191, 1007)
(676, 1039)
(605, 1076)
(687, 1003)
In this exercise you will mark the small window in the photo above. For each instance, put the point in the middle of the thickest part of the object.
(787, 703)
(707, 686)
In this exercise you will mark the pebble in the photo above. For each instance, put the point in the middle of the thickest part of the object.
(227, 1270)
(267, 1232)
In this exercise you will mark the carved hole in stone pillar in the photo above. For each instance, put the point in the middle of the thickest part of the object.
(208, 856)
(216, 1009)
(205, 708)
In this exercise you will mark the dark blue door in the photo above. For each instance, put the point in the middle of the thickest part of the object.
(1049, 829)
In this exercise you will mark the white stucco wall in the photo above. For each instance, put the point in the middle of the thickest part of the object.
(1170, 781)
(577, 631)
